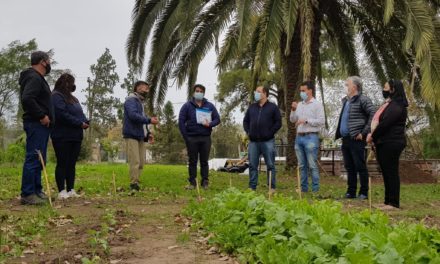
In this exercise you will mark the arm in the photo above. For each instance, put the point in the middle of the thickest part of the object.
(215, 118)
(277, 120)
(28, 98)
(246, 121)
(62, 113)
(390, 116)
(319, 119)
(369, 109)
(293, 117)
(130, 110)
(182, 121)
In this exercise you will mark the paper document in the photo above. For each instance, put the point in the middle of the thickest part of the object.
(203, 116)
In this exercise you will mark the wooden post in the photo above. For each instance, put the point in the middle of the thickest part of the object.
(114, 183)
(270, 185)
(199, 197)
(46, 178)
(299, 182)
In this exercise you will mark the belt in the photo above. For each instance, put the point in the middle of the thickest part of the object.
(306, 133)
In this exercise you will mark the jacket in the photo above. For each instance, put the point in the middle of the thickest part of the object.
(391, 127)
(360, 115)
(135, 120)
(261, 123)
(35, 96)
(69, 118)
(188, 125)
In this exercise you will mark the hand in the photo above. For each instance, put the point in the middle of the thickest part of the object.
(294, 106)
(359, 137)
(84, 125)
(45, 121)
(300, 122)
(369, 138)
(206, 123)
(154, 121)
(151, 138)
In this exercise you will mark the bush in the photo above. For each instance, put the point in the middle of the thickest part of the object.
(15, 152)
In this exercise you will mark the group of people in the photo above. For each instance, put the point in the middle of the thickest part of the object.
(59, 115)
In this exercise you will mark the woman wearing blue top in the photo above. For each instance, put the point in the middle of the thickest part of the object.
(67, 134)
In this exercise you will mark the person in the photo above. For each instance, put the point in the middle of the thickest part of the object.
(261, 122)
(388, 135)
(67, 134)
(135, 131)
(197, 117)
(353, 127)
(308, 117)
(38, 116)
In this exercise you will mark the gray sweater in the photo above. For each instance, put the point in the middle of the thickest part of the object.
(360, 115)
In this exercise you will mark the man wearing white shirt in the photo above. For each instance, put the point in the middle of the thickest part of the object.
(308, 117)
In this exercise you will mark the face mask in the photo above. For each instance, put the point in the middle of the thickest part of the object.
(73, 88)
(48, 68)
(386, 94)
(303, 96)
(257, 96)
(199, 96)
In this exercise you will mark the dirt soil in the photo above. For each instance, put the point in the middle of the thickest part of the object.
(410, 173)
(145, 232)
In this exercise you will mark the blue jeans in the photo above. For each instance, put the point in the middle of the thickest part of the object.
(255, 150)
(306, 148)
(37, 136)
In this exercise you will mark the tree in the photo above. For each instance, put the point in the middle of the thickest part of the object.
(168, 146)
(399, 37)
(129, 81)
(100, 103)
(13, 60)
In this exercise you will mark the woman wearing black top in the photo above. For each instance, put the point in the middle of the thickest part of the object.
(388, 135)
(67, 134)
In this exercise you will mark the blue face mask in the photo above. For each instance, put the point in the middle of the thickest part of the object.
(303, 96)
(199, 96)
(257, 96)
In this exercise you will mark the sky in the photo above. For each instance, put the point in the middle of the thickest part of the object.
(79, 31)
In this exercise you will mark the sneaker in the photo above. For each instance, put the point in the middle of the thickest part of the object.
(32, 199)
(362, 197)
(42, 196)
(134, 187)
(73, 194)
(190, 187)
(63, 195)
(349, 196)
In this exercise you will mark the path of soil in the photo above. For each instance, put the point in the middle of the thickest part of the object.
(145, 232)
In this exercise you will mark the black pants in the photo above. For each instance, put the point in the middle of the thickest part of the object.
(355, 162)
(198, 148)
(67, 153)
(388, 155)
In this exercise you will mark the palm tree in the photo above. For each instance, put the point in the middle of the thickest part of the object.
(401, 38)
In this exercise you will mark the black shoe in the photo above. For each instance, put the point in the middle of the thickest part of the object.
(134, 187)
(43, 196)
(350, 196)
(362, 197)
(32, 199)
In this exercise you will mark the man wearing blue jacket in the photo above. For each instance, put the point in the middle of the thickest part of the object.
(197, 117)
(261, 122)
(135, 131)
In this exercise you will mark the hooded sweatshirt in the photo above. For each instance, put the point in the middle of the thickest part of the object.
(35, 96)
(135, 120)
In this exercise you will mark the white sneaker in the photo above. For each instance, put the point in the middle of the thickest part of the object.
(73, 194)
(63, 195)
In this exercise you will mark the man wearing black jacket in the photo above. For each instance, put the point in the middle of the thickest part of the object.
(38, 116)
(261, 122)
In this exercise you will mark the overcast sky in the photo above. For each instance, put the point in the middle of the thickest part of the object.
(79, 31)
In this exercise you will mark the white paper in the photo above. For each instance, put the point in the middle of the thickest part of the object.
(203, 116)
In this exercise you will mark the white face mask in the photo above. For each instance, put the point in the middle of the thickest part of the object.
(199, 96)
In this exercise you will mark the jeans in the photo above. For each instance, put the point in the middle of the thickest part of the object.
(198, 147)
(388, 157)
(306, 148)
(37, 136)
(353, 152)
(67, 153)
(255, 150)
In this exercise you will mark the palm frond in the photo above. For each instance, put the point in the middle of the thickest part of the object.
(388, 11)
(229, 49)
(290, 16)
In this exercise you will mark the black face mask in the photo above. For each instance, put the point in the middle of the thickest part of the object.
(73, 88)
(386, 94)
(48, 68)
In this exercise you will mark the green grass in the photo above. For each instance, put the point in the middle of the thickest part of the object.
(165, 184)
